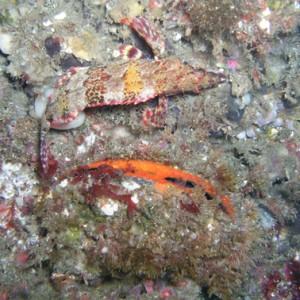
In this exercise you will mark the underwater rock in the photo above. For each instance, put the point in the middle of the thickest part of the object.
(160, 228)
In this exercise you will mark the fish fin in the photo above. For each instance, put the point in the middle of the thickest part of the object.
(155, 117)
(146, 30)
(129, 52)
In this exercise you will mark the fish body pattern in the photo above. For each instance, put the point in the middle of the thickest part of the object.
(125, 83)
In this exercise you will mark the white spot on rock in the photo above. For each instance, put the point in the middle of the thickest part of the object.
(130, 185)
(135, 198)
(47, 23)
(5, 43)
(64, 183)
(109, 208)
(104, 250)
(60, 16)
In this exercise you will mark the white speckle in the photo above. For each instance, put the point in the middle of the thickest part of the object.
(64, 183)
(266, 12)
(104, 250)
(88, 142)
(60, 16)
(108, 6)
(81, 149)
(241, 135)
(116, 53)
(90, 139)
(210, 227)
(67, 159)
(66, 212)
(47, 23)
(109, 208)
(5, 43)
(145, 142)
(216, 242)
(265, 25)
(135, 198)
(167, 216)
(177, 37)
(203, 157)
(121, 132)
(130, 185)
(245, 182)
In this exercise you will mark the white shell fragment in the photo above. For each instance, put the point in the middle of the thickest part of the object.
(5, 43)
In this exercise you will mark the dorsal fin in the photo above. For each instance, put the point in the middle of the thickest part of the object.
(145, 29)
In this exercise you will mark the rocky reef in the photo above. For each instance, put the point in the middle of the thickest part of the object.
(99, 232)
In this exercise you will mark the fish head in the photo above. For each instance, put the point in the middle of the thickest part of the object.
(205, 79)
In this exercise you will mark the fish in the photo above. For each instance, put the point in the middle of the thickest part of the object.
(162, 175)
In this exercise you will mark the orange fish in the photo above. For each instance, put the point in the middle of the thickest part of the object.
(163, 175)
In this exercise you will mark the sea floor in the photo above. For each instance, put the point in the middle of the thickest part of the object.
(205, 205)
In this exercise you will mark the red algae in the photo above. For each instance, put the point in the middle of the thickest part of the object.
(283, 283)
(101, 185)
(190, 207)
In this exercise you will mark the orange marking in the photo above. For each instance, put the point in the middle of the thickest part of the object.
(133, 84)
